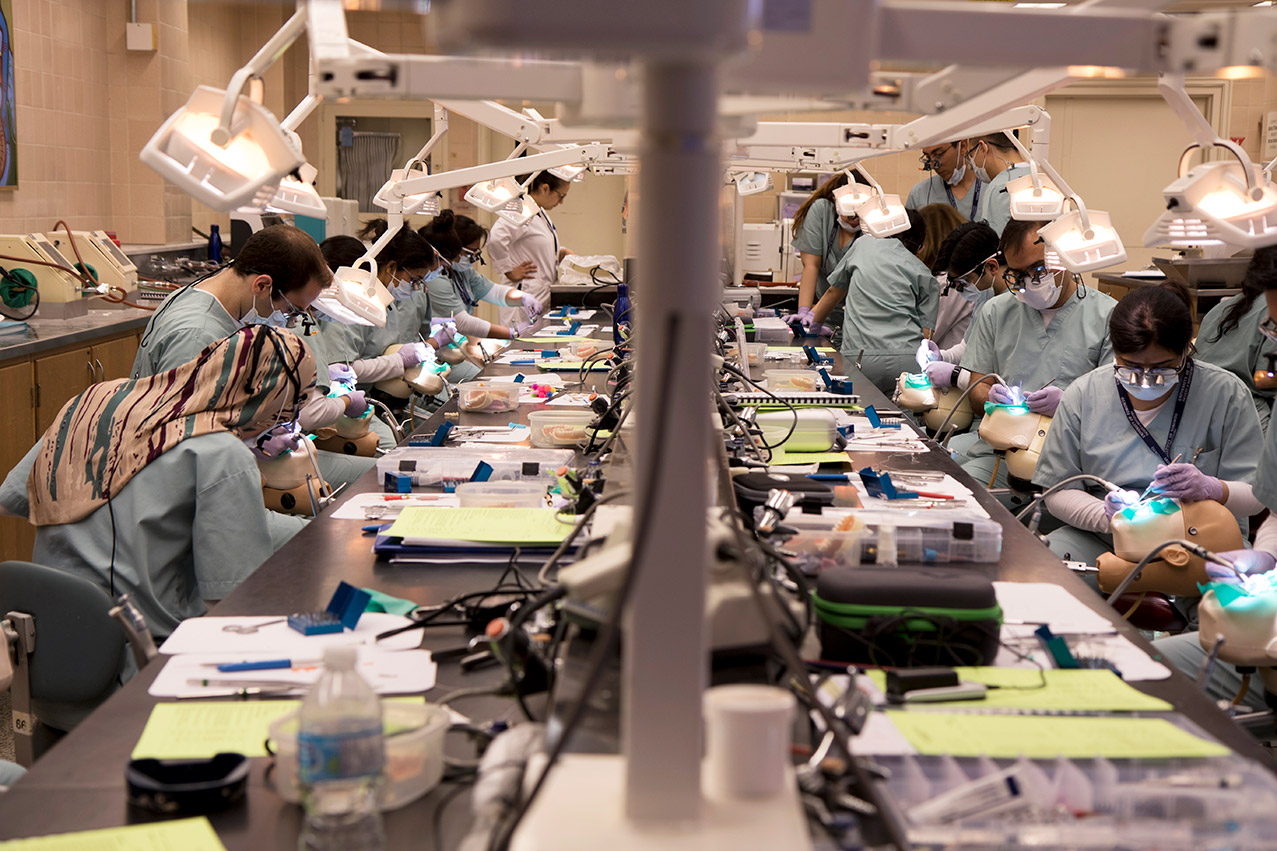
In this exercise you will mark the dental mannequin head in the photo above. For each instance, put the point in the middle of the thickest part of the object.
(1137, 530)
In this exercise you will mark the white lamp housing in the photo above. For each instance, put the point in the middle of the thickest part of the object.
(425, 203)
(244, 173)
(851, 197)
(519, 211)
(883, 216)
(355, 296)
(1030, 203)
(751, 182)
(494, 195)
(568, 172)
(1212, 204)
(299, 197)
(1081, 248)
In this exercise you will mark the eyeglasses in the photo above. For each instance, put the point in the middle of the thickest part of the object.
(1018, 280)
(473, 256)
(562, 195)
(1137, 376)
(1268, 328)
(978, 271)
(933, 160)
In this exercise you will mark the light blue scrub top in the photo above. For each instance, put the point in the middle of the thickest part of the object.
(1265, 489)
(189, 526)
(891, 297)
(1240, 351)
(1008, 337)
(1091, 434)
(995, 202)
(931, 191)
(406, 321)
(820, 235)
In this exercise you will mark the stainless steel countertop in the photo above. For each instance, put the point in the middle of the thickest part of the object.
(45, 334)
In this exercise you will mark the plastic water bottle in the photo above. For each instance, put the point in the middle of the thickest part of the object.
(342, 751)
(621, 323)
(215, 243)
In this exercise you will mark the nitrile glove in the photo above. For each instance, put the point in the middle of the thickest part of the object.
(276, 441)
(1249, 562)
(356, 404)
(808, 329)
(340, 373)
(802, 317)
(520, 329)
(933, 349)
(1115, 501)
(940, 373)
(532, 305)
(1044, 401)
(1000, 394)
(1186, 482)
(413, 354)
(444, 335)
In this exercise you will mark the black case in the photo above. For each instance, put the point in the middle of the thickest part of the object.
(907, 617)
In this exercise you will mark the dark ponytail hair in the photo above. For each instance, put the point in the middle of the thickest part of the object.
(1261, 275)
(468, 230)
(914, 238)
(826, 191)
(342, 250)
(969, 245)
(442, 234)
(543, 178)
(1161, 315)
(406, 248)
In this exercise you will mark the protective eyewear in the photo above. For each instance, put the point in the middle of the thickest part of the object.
(972, 278)
(1018, 280)
(473, 256)
(1134, 376)
(932, 161)
(1268, 328)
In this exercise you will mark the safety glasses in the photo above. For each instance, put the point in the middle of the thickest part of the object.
(473, 256)
(1268, 328)
(1134, 376)
(1018, 280)
(932, 161)
(972, 278)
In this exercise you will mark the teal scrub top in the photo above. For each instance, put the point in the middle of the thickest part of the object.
(406, 322)
(995, 202)
(1240, 351)
(1218, 419)
(1008, 337)
(931, 191)
(189, 526)
(445, 297)
(819, 235)
(891, 297)
(1266, 479)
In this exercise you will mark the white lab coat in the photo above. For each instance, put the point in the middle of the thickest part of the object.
(508, 246)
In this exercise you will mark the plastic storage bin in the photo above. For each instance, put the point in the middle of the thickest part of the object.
(582, 349)
(450, 465)
(560, 428)
(754, 353)
(414, 752)
(793, 381)
(502, 494)
(918, 540)
(815, 431)
(488, 396)
(772, 329)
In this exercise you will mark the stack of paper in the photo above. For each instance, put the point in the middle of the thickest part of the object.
(433, 534)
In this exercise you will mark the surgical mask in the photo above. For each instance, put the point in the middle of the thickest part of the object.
(976, 297)
(1042, 293)
(277, 318)
(1148, 394)
(958, 173)
(400, 288)
(848, 228)
(432, 274)
(462, 265)
(981, 172)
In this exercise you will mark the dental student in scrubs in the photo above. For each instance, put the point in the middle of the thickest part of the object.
(1130, 421)
(973, 272)
(822, 238)
(890, 301)
(1040, 336)
(272, 280)
(1229, 335)
(952, 181)
(996, 162)
(954, 314)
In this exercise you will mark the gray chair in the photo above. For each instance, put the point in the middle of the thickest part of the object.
(63, 647)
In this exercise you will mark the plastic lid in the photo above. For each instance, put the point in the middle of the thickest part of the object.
(340, 656)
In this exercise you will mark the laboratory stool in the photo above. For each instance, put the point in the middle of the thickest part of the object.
(61, 647)
(1153, 613)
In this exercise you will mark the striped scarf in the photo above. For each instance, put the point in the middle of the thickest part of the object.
(103, 437)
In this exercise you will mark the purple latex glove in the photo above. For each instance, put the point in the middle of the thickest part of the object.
(934, 349)
(1000, 394)
(802, 317)
(276, 441)
(340, 373)
(444, 335)
(940, 373)
(1115, 501)
(1186, 482)
(1249, 562)
(356, 404)
(809, 329)
(532, 305)
(413, 354)
(521, 329)
(1044, 401)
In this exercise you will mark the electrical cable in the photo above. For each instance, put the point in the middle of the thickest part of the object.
(1107, 485)
(943, 439)
(543, 575)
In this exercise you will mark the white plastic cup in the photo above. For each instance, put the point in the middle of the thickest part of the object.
(748, 731)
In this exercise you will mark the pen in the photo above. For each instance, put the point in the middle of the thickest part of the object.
(263, 665)
(275, 685)
(828, 477)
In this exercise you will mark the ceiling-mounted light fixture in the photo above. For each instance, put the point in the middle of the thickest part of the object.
(881, 215)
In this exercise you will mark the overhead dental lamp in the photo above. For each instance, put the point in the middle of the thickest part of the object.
(426, 202)
(356, 296)
(881, 215)
(752, 182)
(852, 196)
(1084, 241)
(297, 194)
(1036, 197)
(577, 172)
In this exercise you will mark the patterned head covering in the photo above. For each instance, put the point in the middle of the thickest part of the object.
(103, 437)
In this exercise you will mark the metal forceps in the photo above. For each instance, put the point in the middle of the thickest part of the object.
(249, 628)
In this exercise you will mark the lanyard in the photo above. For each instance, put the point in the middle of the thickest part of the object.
(975, 198)
(462, 288)
(1181, 400)
(833, 241)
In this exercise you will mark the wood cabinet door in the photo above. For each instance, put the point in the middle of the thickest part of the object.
(59, 378)
(17, 424)
(114, 358)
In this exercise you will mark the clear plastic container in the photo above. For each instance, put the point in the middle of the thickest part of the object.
(491, 397)
(560, 428)
(793, 381)
(502, 494)
(754, 353)
(816, 429)
(922, 541)
(414, 752)
(450, 465)
(772, 329)
(582, 349)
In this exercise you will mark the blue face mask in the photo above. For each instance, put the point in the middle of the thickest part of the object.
(432, 274)
(400, 289)
(462, 265)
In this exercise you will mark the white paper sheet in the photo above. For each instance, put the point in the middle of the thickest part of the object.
(388, 672)
(1036, 603)
(206, 635)
(356, 508)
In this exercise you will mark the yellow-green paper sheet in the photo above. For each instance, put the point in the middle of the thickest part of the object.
(189, 834)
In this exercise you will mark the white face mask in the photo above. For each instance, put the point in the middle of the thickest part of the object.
(958, 173)
(277, 318)
(981, 172)
(1149, 394)
(848, 228)
(400, 289)
(976, 297)
(1043, 293)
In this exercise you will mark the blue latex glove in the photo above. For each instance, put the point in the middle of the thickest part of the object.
(276, 441)
(532, 305)
(356, 404)
(1044, 401)
(340, 373)
(1186, 482)
(1249, 562)
(940, 373)
(413, 354)
(803, 318)
(1115, 501)
(1000, 394)
(444, 335)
